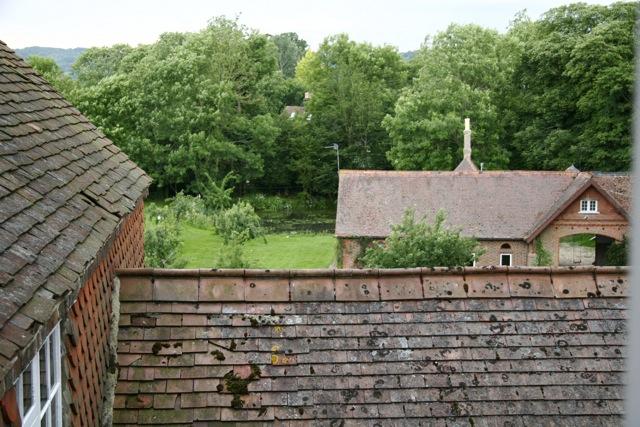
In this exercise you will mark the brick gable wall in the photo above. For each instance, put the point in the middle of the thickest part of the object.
(87, 328)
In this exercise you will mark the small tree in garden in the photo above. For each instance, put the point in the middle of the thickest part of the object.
(236, 225)
(162, 239)
(420, 244)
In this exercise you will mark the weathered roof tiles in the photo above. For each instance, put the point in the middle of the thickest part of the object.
(481, 346)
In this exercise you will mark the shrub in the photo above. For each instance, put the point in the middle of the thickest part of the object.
(162, 239)
(236, 226)
(191, 210)
(419, 244)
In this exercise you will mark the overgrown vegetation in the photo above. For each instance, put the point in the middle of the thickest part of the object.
(236, 225)
(162, 238)
(421, 244)
(543, 256)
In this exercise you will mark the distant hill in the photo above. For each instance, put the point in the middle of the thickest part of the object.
(63, 57)
(407, 56)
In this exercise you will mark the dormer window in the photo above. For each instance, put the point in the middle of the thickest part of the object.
(588, 206)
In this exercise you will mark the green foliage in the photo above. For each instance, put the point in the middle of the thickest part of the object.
(236, 225)
(461, 74)
(543, 256)
(98, 63)
(618, 253)
(353, 86)
(162, 238)
(574, 88)
(217, 196)
(290, 49)
(63, 57)
(190, 106)
(420, 244)
(52, 72)
(190, 210)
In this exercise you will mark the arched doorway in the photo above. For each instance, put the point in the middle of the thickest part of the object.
(584, 249)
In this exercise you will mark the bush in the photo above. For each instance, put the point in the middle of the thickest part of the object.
(236, 226)
(191, 210)
(419, 244)
(162, 239)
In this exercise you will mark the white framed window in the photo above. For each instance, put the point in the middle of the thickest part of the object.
(588, 206)
(39, 387)
(505, 260)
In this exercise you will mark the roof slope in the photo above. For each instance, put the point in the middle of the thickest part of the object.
(337, 347)
(63, 189)
(485, 205)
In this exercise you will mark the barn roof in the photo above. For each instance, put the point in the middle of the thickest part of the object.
(469, 346)
(485, 205)
(64, 188)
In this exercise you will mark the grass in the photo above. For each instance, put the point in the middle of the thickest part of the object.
(585, 240)
(300, 250)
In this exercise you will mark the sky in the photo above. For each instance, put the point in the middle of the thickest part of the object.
(400, 23)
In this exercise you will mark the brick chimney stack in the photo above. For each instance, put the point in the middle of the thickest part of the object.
(467, 139)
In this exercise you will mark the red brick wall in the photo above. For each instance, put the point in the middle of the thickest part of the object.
(519, 252)
(87, 335)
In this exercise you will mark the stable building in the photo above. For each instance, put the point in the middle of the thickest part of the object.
(507, 211)
(70, 213)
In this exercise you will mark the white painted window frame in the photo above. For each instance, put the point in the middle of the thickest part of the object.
(38, 411)
(591, 204)
(510, 259)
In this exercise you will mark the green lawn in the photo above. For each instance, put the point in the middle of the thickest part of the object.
(301, 250)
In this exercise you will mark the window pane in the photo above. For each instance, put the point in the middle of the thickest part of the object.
(505, 260)
(42, 355)
(594, 205)
(583, 205)
(27, 390)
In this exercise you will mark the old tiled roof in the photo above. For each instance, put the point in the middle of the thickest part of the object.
(63, 189)
(463, 347)
(485, 205)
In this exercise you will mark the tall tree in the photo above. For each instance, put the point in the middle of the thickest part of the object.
(193, 107)
(51, 71)
(574, 83)
(98, 63)
(290, 49)
(461, 72)
(353, 86)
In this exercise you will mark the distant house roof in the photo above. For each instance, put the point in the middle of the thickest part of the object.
(486, 205)
(413, 347)
(63, 189)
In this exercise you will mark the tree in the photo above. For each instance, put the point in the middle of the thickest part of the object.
(420, 244)
(51, 71)
(192, 106)
(290, 49)
(236, 225)
(98, 63)
(574, 84)
(353, 86)
(461, 73)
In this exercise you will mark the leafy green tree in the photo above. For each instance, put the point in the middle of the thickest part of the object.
(236, 225)
(290, 49)
(353, 86)
(192, 106)
(98, 63)
(461, 73)
(574, 85)
(51, 71)
(420, 244)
